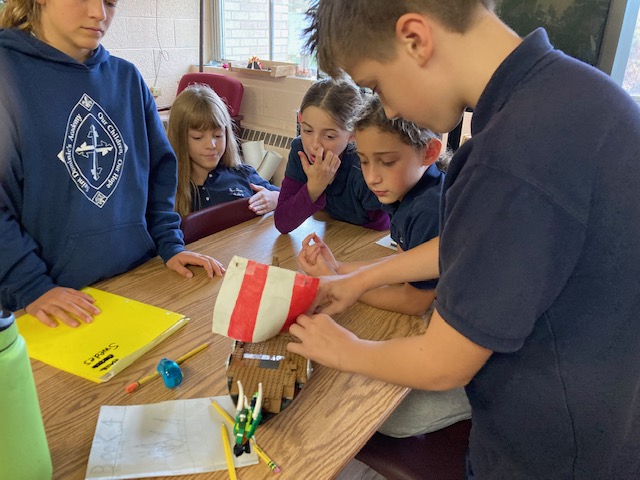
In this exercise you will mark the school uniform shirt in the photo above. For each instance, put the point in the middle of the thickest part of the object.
(224, 184)
(88, 177)
(540, 263)
(347, 197)
(416, 219)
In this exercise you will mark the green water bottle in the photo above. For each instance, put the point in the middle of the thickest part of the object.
(24, 452)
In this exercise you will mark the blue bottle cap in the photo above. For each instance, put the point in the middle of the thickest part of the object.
(170, 372)
(8, 329)
(6, 319)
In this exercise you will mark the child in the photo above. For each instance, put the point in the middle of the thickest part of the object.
(322, 171)
(539, 250)
(398, 162)
(87, 177)
(209, 167)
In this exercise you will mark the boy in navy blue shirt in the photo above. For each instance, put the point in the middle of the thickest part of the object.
(537, 310)
(398, 161)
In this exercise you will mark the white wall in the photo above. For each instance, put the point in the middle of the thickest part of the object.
(160, 37)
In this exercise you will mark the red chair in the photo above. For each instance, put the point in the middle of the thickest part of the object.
(213, 219)
(438, 455)
(229, 89)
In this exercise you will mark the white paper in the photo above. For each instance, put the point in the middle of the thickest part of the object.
(269, 165)
(388, 243)
(177, 437)
(253, 153)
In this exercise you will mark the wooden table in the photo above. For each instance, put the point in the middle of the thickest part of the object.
(332, 418)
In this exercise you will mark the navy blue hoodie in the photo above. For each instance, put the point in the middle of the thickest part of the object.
(87, 176)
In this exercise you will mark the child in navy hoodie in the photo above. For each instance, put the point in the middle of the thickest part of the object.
(87, 176)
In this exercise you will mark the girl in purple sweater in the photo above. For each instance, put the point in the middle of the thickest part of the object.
(323, 170)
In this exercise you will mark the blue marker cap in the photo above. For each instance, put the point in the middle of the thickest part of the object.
(170, 372)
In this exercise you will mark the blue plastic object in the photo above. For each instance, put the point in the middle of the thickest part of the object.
(170, 372)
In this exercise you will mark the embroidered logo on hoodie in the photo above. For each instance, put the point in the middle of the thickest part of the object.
(93, 151)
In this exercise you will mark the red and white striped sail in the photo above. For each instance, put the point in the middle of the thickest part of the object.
(258, 301)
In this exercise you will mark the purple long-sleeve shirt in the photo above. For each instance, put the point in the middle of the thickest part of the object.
(347, 198)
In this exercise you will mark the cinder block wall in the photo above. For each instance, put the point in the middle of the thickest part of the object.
(160, 37)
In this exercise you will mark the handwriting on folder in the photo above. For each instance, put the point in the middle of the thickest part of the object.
(124, 331)
(177, 437)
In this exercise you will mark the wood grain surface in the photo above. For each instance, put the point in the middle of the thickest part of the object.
(314, 438)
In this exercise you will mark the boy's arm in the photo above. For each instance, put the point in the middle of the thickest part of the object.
(439, 359)
(340, 292)
(403, 298)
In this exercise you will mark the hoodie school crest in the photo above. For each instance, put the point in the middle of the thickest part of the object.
(88, 176)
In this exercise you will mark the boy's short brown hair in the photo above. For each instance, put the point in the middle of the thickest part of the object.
(343, 31)
(372, 115)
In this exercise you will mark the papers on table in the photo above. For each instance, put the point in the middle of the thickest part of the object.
(178, 437)
(388, 243)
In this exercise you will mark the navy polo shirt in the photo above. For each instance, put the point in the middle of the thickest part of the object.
(348, 197)
(540, 263)
(415, 220)
(224, 184)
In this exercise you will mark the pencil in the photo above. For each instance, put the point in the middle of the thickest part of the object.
(223, 412)
(227, 452)
(262, 454)
(132, 386)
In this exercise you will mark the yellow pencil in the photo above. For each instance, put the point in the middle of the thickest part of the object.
(224, 413)
(227, 452)
(132, 386)
(261, 453)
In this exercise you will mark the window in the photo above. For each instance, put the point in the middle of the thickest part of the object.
(631, 82)
(269, 29)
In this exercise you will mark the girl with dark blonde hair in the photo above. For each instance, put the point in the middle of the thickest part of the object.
(210, 170)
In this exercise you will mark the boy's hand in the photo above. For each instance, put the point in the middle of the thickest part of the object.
(65, 304)
(322, 340)
(320, 172)
(337, 293)
(179, 261)
(264, 200)
(317, 259)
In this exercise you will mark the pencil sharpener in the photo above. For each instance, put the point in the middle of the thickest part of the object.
(170, 373)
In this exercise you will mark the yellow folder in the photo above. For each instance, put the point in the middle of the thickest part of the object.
(124, 331)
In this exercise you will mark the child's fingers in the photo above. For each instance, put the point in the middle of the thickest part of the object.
(182, 270)
(307, 239)
(46, 319)
(304, 160)
(304, 263)
(313, 252)
(58, 313)
(218, 269)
